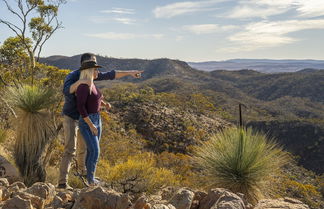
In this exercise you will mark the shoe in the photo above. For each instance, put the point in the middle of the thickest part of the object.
(64, 186)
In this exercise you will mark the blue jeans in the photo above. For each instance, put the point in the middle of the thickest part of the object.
(92, 143)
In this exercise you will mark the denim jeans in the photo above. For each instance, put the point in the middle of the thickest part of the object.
(92, 143)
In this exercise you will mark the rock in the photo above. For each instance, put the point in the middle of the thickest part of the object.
(37, 202)
(7, 170)
(167, 193)
(229, 200)
(43, 190)
(17, 203)
(5, 194)
(161, 206)
(97, 197)
(57, 202)
(65, 196)
(140, 203)
(182, 199)
(282, 203)
(211, 198)
(20, 184)
(4, 182)
(199, 196)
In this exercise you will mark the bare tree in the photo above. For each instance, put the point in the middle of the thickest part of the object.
(39, 28)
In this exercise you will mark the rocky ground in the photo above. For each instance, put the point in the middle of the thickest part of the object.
(46, 196)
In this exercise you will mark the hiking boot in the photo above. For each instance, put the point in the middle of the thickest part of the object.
(64, 186)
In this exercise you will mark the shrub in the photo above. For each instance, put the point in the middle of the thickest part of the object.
(240, 160)
(138, 174)
(34, 130)
(3, 135)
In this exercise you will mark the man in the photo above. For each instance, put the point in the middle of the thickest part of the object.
(71, 115)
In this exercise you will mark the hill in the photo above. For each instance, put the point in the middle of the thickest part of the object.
(261, 65)
(274, 98)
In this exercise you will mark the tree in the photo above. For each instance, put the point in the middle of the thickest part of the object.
(38, 28)
(14, 61)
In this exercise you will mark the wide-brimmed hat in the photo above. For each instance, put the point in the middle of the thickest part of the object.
(89, 60)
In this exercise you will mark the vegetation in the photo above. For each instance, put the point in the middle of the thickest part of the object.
(240, 160)
(34, 130)
(41, 25)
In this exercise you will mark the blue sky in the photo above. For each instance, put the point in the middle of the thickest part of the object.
(188, 30)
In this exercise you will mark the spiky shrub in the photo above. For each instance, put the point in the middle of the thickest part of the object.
(34, 130)
(240, 160)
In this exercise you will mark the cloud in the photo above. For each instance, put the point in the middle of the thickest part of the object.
(310, 8)
(119, 11)
(270, 34)
(207, 28)
(126, 21)
(187, 7)
(260, 8)
(267, 8)
(123, 20)
(124, 36)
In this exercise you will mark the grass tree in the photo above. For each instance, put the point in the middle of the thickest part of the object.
(34, 130)
(240, 160)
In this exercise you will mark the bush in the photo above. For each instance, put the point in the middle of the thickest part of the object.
(240, 160)
(3, 135)
(138, 174)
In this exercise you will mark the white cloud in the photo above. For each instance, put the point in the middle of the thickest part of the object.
(252, 11)
(123, 20)
(207, 28)
(310, 8)
(119, 11)
(124, 36)
(180, 8)
(260, 8)
(126, 21)
(267, 8)
(270, 34)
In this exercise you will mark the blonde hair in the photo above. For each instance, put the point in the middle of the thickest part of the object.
(87, 74)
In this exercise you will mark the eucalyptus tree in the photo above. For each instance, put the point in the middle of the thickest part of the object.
(35, 20)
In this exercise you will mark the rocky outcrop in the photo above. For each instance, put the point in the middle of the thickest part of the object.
(45, 196)
(166, 128)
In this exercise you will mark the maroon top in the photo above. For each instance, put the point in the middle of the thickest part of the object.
(88, 103)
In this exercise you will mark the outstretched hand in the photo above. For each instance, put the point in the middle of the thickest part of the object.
(136, 73)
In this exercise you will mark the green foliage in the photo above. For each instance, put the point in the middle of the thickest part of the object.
(240, 160)
(137, 174)
(34, 130)
(31, 99)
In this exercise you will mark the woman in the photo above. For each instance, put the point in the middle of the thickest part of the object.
(89, 100)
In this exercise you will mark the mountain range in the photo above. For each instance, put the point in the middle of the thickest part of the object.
(276, 103)
(261, 65)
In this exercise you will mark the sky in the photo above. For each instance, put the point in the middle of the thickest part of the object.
(206, 30)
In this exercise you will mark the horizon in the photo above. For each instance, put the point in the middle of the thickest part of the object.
(193, 31)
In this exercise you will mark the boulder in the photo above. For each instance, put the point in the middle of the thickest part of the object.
(7, 170)
(17, 203)
(211, 198)
(162, 206)
(37, 202)
(43, 190)
(282, 203)
(4, 193)
(182, 199)
(199, 196)
(229, 200)
(97, 197)
(4, 182)
(140, 203)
